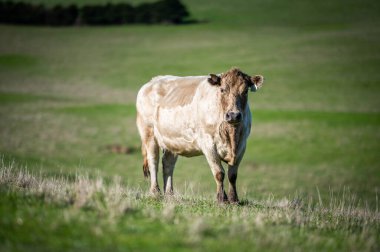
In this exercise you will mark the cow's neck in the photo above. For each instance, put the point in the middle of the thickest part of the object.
(231, 136)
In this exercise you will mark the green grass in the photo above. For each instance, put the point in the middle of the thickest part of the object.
(67, 93)
(90, 214)
(15, 61)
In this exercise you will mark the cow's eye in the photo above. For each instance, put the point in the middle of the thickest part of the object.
(222, 90)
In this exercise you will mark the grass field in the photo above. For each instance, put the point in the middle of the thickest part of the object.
(310, 177)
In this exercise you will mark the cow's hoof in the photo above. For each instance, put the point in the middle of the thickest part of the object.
(233, 198)
(222, 198)
(234, 201)
(169, 195)
(155, 191)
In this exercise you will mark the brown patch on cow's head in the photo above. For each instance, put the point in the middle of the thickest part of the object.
(233, 92)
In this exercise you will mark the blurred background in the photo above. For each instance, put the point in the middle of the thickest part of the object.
(67, 92)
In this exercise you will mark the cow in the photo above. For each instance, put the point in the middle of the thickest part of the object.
(196, 115)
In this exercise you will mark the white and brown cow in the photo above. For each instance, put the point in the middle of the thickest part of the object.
(195, 115)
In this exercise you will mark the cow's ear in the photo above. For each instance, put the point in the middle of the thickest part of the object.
(257, 82)
(214, 79)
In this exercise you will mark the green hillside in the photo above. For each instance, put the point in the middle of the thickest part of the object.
(311, 173)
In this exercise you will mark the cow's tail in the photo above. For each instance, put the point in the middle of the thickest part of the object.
(145, 164)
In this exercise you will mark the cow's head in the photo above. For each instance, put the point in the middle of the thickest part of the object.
(233, 92)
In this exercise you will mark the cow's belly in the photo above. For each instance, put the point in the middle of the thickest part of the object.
(176, 131)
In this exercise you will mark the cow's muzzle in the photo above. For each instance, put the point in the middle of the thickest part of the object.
(233, 117)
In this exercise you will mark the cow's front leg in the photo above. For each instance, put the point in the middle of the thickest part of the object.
(232, 177)
(218, 172)
(220, 193)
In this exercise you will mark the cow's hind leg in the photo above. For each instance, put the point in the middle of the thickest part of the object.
(168, 162)
(150, 152)
(152, 157)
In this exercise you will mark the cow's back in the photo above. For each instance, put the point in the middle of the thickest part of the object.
(166, 104)
(167, 91)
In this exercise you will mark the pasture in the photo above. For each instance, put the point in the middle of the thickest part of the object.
(309, 180)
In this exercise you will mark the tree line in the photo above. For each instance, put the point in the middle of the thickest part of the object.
(162, 11)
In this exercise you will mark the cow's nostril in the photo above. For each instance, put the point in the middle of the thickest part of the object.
(228, 117)
(238, 116)
(233, 117)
